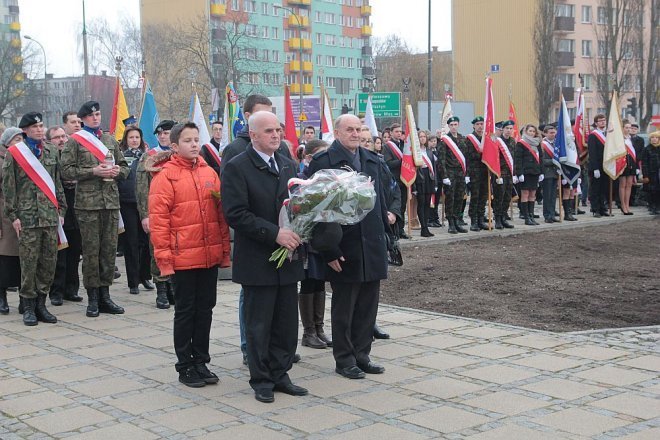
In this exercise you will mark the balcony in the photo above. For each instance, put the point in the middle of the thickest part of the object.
(308, 89)
(295, 43)
(13, 9)
(17, 59)
(366, 51)
(294, 66)
(565, 24)
(15, 26)
(367, 71)
(565, 59)
(298, 21)
(219, 34)
(299, 2)
(365, 10)
(568, 92)
(366, 31)
(15, 43)
(218, 10)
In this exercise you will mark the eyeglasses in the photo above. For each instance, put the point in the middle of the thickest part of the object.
(62, 136)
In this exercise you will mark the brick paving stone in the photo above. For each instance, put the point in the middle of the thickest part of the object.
(33, 402)
(315, 419)
(184, 420)
(535, 340)
(247, 403)
(19, 351)
(594, 352)
(442, 361)
(441, 341)
(246, 432)
(141, 361)
(636, 406)
(114, 432)
(146, 401)
(614, 375)
(444, 387)
(509, 432)
(647, 434)
(107, 386)
(329, 386)
(492, 351)
(392, 350)
(578, 421)
(111, 350)
(67, 420)
(648, 362)
(378, 431)
(77, 340)
(498, 374)
(505, 402)
(446, 419)
(382, 402)
(549, 362)
(394, 373)
(16, 385)
(487, 332)
(563, 389)
(72, 373)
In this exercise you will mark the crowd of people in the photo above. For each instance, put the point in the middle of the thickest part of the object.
(70, 191)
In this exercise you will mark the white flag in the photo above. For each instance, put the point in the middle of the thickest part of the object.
(369, 119)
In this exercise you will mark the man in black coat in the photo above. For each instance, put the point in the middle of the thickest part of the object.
(359, 261)
(254, 185)
(393, 154)
(599, 184)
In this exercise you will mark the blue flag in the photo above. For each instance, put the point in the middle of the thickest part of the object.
(239, 123)
(566, 156)
(149, 117)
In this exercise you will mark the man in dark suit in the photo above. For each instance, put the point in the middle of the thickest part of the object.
(254, 185)
(359, 261)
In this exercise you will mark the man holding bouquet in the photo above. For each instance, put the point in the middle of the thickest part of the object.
(359, 261)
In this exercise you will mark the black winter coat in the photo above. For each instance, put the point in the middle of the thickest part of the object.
(596, 148)
(524, 161)
(240, 144)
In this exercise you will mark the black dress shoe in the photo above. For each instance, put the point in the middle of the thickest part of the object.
(290, 389)
(245, 362)
(56, 299)
(134, 290)
(73, 296)
(379, 333)
(549, 220)
(352, 372)
(404, 235)
(207, 375)
(191, 378)
(265, 396)
(372, 368)
(148, 285)
(296, 358)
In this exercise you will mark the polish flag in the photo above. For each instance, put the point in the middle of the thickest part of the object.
(327, 129)
(290, 123)
(491, 154)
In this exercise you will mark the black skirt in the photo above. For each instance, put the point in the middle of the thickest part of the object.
(10, 271)
(531, 182)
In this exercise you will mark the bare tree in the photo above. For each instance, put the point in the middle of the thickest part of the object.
(545, 60)
(16, 67)
(648, 48)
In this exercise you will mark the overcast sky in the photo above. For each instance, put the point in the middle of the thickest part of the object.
(57, 24)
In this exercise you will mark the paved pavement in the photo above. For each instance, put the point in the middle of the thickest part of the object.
(447, 377)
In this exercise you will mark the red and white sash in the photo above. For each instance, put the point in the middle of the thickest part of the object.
(504, 150)
(475, 143)
(395, 150)
(214, 153)
(40, 177)
(631, 149)
(548, 147)
(92, 144)
(599, 135)
(534, 151)
(449, 142)
(427, 162)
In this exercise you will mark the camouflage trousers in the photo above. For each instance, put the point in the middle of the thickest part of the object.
(478, 193)
(37, 250)
(454, 193)
(155, 270)
(502, 195)
(98, 230)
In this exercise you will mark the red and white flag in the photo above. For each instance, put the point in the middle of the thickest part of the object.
(490, 156)
(92, 144)
(290, 123)
(408, 167)
(514, 118)
(327, 129)
(578, 130)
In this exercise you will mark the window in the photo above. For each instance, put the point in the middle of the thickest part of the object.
(234, 5)
(251, 54)
(319, 81)
(630, 83)
(342, 61)
(251, 30)
(319, 38)
(292, 79)
(290, 33)
(586, 14)
(317, 17)
(264, 11)
(275, 79)
(586, 80)
(250, 6)
(565, 45)
(266, 79)
(290, 56)
(330, 40)
(331, 61)
(565, 11)
(602, 15)
(586, 48)
(319, 60)
(329, 18)
(628, 50)
(252, 78)
(350, 62)
(566, 79)
(264, 32)
(603, 50)
(275, 56)
(330, 82)
(265, 55)
(275, 32)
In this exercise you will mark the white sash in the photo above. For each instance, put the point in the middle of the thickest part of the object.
(504, 150)
(92, 144)
(475, 143)
(427, 162)
(534, 151)
(40, 177)
(395, 149)
(631, 149)
(454, 149)
(214, 153)
(548, 147)
(599, 135)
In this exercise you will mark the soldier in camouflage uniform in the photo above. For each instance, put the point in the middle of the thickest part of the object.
(453, 174)
(164, 287)
(503, 186)
(34, 217)
(478, 174)
(96, 205)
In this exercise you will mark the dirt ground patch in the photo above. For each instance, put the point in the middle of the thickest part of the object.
(561, 280)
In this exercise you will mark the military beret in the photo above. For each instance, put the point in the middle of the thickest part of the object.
(30, 118)
(499, 124)
(130, 120)
(478, 119)
(453, 119)
(634, 125)
(507, 123)
(9, 134)
(326, 236)
(164, 125)
(88, 108)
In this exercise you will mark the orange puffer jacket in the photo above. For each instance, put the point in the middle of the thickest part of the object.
(188, 228)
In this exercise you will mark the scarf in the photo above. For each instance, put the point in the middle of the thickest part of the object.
(532, 141)
(35, 146)
(95, 131)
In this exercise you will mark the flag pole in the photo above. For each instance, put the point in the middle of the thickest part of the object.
(409, 205)
(610, 197)
(561, 199)
(490, 207)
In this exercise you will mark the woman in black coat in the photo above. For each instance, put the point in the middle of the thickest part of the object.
(651, 172)
(425, 184)
(527, 164)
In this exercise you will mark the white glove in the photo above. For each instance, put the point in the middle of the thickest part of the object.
(638, 171)
(467, 179)
(446, 181)
(515, 180)
(579, 181)
(521, 178)
(499, 181)
(541, 177)
(564, 182)
(597, 174)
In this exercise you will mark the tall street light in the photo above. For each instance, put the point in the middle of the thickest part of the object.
(300, 62)
(85, 59)
(45, 97)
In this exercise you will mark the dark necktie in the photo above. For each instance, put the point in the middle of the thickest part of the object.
(273, 167)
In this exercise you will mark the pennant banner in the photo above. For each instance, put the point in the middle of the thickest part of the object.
(149, 117)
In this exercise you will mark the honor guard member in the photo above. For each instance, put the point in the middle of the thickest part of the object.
(599, 181)
(164, 287)
(504, 185)
(212, 151)
(550, 173)
(393, 154)
(478, 173)
(527, 163)
(94, 160)
(452, 170)
(35, 204)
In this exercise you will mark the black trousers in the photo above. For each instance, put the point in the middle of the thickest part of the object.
(502, 195)
(67, 280)
(549, 185)
(195, 293)
(424, 209)
(271, 323)
(404, 204)
(354, 309)
(599, 192)
(135, 244)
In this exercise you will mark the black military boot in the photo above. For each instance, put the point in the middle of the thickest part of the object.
(4, 306)
(506, 223)
(42, 312)
(92, 302)
(530, 211)
(310, 338)
(452, 225)
(568, 215)
(474, 224)
(498, 222)
(319, 314)
(106, 305)
(21, 306)
(525, 215)
(29, 315)
(171, 288)
(460, 221)
(161, 295)
(483, 224)
(460, 227)
(426, 233)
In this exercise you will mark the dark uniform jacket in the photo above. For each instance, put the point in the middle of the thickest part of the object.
(426, 182)
(504, 168)
(363, 245)
(547, 164)
(252, 196)
(392, 161)
(596, 148)
(651, 166)
(524, 161)
(448, 165)
(210, 160)
(476, 168)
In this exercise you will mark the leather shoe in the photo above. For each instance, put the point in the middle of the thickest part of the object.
(134, 290)
(379, 333)
(148, 285)
(404, 236)
(352, 372)
(372, 368)
(291, 389)
(265, 396)
(296, 358)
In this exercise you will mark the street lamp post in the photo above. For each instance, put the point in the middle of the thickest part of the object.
(45, 97)
(85, 59)
(300, 61)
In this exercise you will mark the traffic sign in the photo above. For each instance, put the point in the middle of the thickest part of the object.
(655, 120)
(385, 104)
(494, 68)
